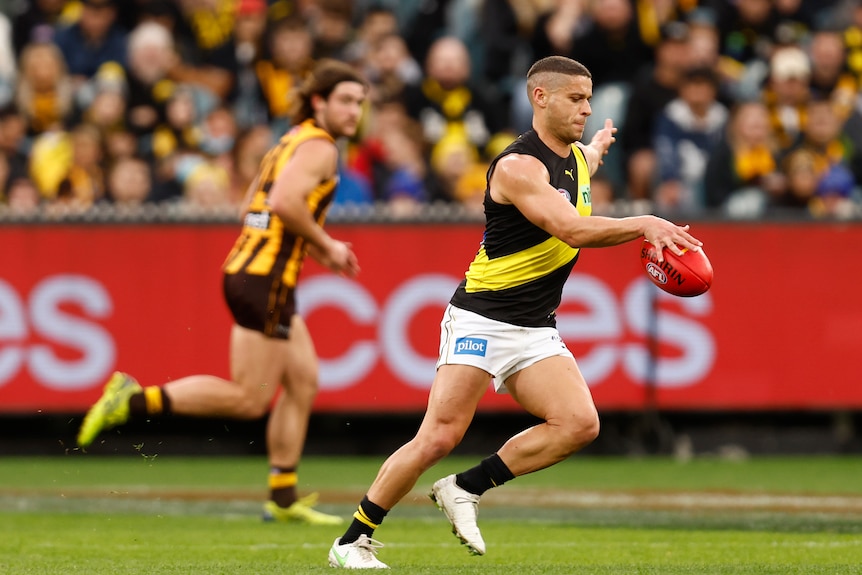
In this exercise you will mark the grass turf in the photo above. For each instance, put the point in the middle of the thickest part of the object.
(109, 515)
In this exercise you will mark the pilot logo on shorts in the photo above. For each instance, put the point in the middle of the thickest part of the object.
(471, 346)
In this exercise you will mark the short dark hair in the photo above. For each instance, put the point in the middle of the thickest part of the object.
(559, 65)
(703, 74)
(322, 80)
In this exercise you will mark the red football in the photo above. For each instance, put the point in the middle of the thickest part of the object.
(687, 275)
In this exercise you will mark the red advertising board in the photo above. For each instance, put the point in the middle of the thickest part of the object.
(780, 329)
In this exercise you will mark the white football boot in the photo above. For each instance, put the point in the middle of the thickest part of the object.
(361, 554)
(462, 509)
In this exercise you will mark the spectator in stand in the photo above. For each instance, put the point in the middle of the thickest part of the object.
(13, 140)
(164, 12)
(744, 165)
(390, 68)
(179, 138)
(6, 176)
(150, 57)
(801, 173)
(836, 195)
(180, 133)
(825, 138)
(460, 171)
(288, 63)
(830, 77)
(796, 18)
(376, 22)
(685, 135)
(507, 29)
(251, 147)
(367, 157)
(703, 40)
(332, 28)
(207, 189)
(103, 100)
(656, 85)
(249, 39)
(50, 160)
(851, 24)
(44, 95)
(84, 182)
(206, 53)
(37, 23)
(119, 143)
(604, 36)
(219, 132)
(746, 36)
(446, 103)
(23, 198)
(93, 40)
(129, 182)
(703, 51)
(787, 93)
(407, 181)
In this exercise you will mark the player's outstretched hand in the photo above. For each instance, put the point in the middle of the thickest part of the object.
(664, 234)
(603, 138)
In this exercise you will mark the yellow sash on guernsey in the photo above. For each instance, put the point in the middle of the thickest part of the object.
(534, 262)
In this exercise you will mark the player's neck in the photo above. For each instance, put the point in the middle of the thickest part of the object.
(562, 149)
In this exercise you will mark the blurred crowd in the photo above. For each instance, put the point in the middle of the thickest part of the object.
(739, 107)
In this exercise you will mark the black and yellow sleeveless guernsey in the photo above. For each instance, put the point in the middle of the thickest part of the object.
(518, 274)
(261, 271)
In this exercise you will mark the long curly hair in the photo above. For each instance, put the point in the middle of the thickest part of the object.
(325, 76)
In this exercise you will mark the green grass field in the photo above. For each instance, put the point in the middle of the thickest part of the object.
(104, 515)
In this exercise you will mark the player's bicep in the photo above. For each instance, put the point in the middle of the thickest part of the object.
(524, 182)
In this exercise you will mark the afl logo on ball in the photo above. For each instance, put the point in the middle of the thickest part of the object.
(657, 274)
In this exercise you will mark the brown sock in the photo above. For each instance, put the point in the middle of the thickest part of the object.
(151, 401)
(282, 485)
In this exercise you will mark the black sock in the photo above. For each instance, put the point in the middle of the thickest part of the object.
(491, 472)
(367, 518)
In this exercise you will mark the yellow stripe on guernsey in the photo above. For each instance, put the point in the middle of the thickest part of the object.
(522, 267)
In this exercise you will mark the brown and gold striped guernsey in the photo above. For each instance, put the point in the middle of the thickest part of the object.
(262, 269)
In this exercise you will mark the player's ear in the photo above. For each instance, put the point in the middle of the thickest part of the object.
(317, 102)
(540, 96)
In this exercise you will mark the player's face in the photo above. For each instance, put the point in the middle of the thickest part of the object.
(569, 108)
(343, 109)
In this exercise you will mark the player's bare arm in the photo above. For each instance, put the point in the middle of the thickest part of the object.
(313, 162)
(524, 181)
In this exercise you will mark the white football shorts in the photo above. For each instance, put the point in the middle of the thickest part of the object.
(501, 349)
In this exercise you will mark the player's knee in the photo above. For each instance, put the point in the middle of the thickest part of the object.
(303, 389)
(581, 430)
(437, 445)
(251, 407)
